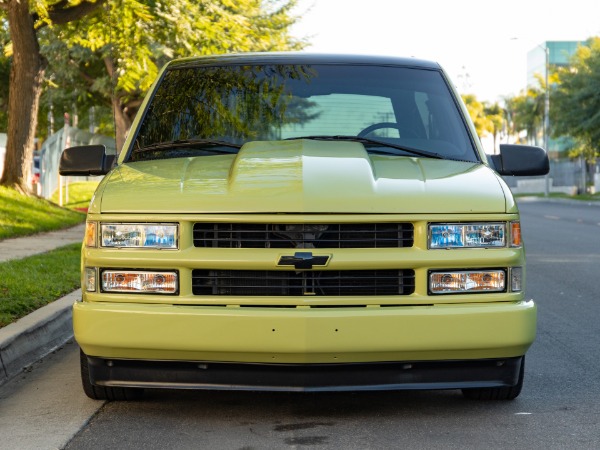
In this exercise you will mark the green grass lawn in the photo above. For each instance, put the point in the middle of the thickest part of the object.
(30, 283)
(80, 194)
(21, 215)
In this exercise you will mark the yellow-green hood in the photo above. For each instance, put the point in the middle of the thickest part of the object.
(302, 176)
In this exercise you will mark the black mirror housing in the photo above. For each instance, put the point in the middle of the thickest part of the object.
(85, 160)
(520, 160)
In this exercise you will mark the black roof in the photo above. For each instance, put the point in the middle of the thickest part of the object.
(301, 58)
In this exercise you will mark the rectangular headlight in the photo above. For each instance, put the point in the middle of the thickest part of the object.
(138, 281)
(467, 235)
(467, 281)
(138, 235)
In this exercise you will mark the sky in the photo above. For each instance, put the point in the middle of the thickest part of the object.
(482, 45)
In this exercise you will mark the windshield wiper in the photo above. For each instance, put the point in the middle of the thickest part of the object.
(364, 140)
(196, 143)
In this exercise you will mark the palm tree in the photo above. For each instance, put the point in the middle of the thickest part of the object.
(495, 118)
(526, 111)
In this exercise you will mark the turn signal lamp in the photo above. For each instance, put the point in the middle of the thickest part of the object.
(516, 279)
(515, 234)
(90, 234)
(90, 279)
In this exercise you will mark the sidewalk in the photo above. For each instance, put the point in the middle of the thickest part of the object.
(29, 339)
(23, 247)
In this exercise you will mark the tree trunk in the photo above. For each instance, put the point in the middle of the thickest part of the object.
(26, 76)
(122, 123)
(122, 120)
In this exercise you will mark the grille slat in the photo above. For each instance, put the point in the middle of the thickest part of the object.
(248, 235)
(300, 283)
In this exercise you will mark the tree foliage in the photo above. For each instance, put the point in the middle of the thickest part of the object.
(477, 114)
(105, 54)
(28, 65)
(526, 111)
(576, 101)
(495, 118)
(488, 118)
(133, 39)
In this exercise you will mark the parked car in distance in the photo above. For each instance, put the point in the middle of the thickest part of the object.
(35, 174)
(292, 221)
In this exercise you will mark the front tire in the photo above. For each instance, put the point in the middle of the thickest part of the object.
(497, 393)
(103, 392)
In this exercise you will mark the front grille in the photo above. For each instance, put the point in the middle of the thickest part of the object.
(293, 283)
(345, 235)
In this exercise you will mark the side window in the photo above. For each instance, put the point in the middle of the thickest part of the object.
(442, 126)
(344, 114)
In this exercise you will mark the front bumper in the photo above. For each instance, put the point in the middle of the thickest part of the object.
(306, 377)
(305, 335)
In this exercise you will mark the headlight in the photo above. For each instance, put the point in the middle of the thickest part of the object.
(467, 281)
(134, 235)
(135, 281)
(467, 235)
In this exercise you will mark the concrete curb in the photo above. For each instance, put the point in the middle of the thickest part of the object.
(34, 336)
(531, 199)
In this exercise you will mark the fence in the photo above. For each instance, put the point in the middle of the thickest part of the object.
(53, 147)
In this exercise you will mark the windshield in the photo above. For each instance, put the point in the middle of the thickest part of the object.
(208, 110)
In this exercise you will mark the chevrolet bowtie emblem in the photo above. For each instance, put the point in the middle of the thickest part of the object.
(303, 260)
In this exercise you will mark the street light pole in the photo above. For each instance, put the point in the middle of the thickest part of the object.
(546, 121)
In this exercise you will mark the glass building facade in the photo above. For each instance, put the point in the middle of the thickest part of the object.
(559, 54)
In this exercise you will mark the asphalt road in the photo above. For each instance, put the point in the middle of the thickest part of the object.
(559, 407)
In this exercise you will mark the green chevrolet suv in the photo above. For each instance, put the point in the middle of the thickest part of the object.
(288, 221)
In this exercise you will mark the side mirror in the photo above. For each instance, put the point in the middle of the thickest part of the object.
(520, 160)
(85, 160)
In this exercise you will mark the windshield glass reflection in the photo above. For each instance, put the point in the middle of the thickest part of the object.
(208, 110)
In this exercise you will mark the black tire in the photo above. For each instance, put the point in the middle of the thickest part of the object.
(102, 392)
(499, 393)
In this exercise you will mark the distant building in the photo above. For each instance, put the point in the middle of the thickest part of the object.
(559, 55)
